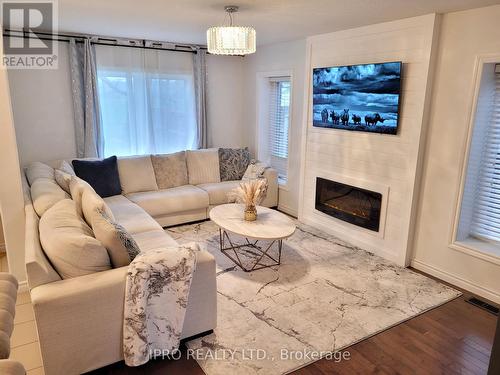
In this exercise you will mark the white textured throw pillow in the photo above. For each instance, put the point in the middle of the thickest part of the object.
(63, 175)
(66, 168)
(203, 166)
(255, 170)
(92, 202)
(122, 248)
(63, 179)
(69, 243)
(76, 187)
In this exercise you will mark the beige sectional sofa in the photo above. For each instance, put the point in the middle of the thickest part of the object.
(186, 203)
(79, 320)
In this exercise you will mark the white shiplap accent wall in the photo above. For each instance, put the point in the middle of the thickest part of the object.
(389, 162)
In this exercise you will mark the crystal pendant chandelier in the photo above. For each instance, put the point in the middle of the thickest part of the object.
(231, 40)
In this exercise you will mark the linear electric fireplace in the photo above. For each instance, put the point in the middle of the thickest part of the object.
(349, 203)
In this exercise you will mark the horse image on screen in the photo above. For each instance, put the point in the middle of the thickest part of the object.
(358, 97)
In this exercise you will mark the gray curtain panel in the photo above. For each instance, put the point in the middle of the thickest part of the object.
(88, 132)
(200, 83)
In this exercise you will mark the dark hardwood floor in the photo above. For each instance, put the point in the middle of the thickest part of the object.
(455, 338)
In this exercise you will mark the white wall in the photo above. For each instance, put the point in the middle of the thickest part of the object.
(43, 111)
(464, 37)
(43, 108)
(383, 163)
(282, 57)
(11, 195)
(225, 101)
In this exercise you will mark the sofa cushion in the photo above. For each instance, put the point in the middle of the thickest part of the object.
(69, 243)
(154, 239)
(45, 193)
(6, 321)
(8, 303)
(102, 175)
(136, 174)
(8, 288)
(132, 217)
(203, 166)
(122, 248)
(233, 163)
(170, 170)
(5, 276)
(169, 201)
(38, 170)
(218, 192)
(38, 268)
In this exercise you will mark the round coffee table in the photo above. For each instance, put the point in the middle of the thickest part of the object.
(270, 225)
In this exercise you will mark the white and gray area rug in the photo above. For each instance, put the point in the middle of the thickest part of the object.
(325, 296)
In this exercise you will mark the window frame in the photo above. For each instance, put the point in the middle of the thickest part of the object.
(262, 116)
(479, 248)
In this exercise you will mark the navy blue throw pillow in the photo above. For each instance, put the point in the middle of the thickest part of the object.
(102, 175)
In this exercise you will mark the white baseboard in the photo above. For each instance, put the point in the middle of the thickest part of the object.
(456, 280)
(23, 287)
(288, 210)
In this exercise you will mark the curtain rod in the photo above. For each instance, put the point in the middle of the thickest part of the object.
(101, 40)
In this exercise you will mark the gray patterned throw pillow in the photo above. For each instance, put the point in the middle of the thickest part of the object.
(233, 163)
(122, 248)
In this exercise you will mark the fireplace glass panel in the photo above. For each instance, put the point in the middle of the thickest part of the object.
(354, 205)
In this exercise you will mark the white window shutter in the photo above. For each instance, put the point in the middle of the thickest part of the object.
(486, 215)
(278, 125)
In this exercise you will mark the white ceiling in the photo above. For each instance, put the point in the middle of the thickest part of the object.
(274, 20)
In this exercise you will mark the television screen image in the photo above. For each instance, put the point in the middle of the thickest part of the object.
(358, 97)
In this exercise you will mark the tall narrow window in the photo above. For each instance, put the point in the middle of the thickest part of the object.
(486, 215)
(147, 100)
(279, 122)
(480, 210)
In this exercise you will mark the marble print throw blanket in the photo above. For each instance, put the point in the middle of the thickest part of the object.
(156, 296)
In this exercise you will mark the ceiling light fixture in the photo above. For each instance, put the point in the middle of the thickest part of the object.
(231, 40)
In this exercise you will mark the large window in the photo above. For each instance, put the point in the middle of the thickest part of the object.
(146, 100)
(480, 209)
(278, 125)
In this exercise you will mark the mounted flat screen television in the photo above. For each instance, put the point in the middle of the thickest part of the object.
(358, 97)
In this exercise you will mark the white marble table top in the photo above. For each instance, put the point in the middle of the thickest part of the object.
(270, 224)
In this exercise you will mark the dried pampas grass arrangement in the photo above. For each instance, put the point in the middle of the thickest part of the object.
(251, 193)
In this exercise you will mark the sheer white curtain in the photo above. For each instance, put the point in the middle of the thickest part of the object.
(147, 100)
